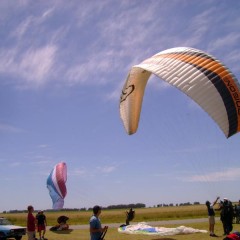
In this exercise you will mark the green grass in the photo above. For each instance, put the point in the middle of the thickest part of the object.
(118, 216)
(113, 234)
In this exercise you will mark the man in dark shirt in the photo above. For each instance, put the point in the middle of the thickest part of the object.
(41, 224)
(227, 216)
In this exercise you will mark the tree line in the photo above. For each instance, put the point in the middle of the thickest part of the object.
(110, 207)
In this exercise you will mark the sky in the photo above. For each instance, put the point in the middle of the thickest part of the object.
(62, 69)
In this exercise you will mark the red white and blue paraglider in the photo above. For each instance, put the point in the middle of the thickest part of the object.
(56, 185)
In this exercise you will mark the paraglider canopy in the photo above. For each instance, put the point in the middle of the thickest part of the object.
(62, 224)
(56, 185)
(62, 219)
(197, 74)
(144, 229)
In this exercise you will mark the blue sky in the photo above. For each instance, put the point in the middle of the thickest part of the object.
(62, 68)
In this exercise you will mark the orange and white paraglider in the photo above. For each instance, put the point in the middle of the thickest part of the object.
(197, 74)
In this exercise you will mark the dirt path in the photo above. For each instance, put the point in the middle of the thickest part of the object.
(155, 223)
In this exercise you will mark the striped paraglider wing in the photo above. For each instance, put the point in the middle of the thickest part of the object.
(56, 184)
(197, 74)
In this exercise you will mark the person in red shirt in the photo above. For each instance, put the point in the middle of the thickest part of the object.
(31, 223)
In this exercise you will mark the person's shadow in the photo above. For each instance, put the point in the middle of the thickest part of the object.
(67, 231)
(164, 238)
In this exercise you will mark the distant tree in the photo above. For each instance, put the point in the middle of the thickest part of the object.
(185, 204)
(124, 206)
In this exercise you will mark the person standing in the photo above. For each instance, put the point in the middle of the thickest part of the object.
(96, 229)
(227, 216)
(211, 217)
(41, 224)
(237, 212)
(31, 223)
(129, 216)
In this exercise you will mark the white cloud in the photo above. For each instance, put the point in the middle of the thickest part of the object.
(229, 39)
(36, 64)
(9, 128)
(78, 172)
(107, 169)
(21, 29)
(15, 164)
(47, 13)
(43, 146)
(230, 174)
(83, 172)
(199, 27)
(32, 68)
(94, 69)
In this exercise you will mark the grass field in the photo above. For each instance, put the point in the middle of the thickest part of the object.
(118, 216)
(113, 234)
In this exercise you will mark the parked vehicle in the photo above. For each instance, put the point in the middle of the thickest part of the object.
(8, 230)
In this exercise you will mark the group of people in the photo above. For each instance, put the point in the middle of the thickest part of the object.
(97, 232)
(226, 215)
(38, 222)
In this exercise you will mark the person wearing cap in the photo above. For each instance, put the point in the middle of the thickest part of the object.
(96, 229)
(41, 224)
(211, 217)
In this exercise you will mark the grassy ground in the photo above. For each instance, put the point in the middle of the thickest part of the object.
(118, 216)
(113, 234)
